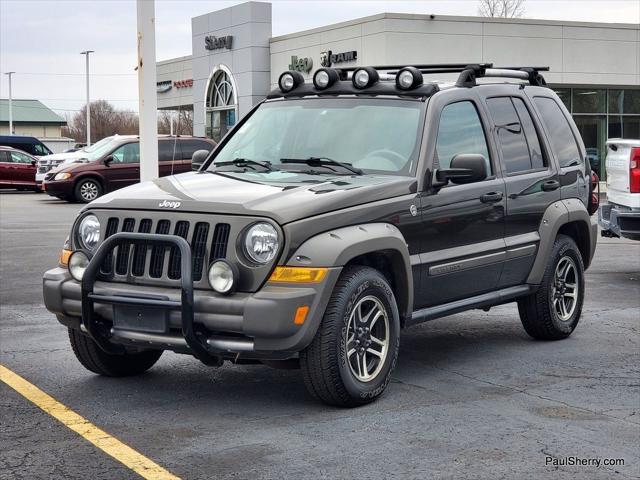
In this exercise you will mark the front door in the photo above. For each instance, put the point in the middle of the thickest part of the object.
(6, 168)
(24, 169)
(124, 168)
(463, 225)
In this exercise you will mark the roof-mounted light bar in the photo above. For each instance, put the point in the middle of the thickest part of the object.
(408, 78)
(290, 80)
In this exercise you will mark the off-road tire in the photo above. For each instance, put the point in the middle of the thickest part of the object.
(93, 358)
(84, 186)
(537, 313)
(324, 363)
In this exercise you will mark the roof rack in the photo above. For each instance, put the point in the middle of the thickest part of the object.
(469, 75)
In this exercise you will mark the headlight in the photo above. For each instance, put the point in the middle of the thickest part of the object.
(222, 277)
(78, 263)
(89, 232)
(62, 176)
(261, 243)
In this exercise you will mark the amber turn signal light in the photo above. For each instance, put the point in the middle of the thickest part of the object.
(298, 275)
(64, 257)
(301, 315)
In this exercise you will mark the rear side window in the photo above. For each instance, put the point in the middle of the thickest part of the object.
(166, 150)
(18, 157)
(563, 142)
(530, 133)
(515, 152)
(191, 146)
(460, 131)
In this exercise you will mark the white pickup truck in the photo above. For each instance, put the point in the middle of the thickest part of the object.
(620, 217)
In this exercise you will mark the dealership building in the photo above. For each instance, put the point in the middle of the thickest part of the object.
(235, 61)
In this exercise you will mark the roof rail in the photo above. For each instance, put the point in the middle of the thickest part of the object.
(469, 75)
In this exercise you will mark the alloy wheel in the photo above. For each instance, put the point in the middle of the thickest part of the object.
(367, 338)
(564, 291)
(89, 191)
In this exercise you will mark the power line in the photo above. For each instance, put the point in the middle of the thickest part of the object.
(54, 74)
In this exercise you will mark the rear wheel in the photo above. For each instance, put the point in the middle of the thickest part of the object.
(351, 358)
(87, 190)
(553, 312)
(93, 358)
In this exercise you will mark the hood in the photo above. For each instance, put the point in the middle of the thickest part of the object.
(282, 196)
(64, 156)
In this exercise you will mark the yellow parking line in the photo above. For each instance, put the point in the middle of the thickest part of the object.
(126, 455)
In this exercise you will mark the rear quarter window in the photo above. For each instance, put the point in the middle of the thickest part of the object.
(563, 143)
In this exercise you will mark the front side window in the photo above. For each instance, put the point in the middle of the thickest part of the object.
(563, 143)
(41, 149)
(375, 135)
(460, 131)
(129, 153)
(18, 157)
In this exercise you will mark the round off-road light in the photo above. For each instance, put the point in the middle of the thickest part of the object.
(78, 263)
(324, 78)
(290, 80)
(408, 78)
(364, 77)
(222, 277)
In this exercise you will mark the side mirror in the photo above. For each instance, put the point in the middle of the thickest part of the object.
(198, 158)
(465, 168)
(33, 163)
(108, 160)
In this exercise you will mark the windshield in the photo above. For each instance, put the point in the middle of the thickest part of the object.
(373, 135)
(97, 145)
(101, 148)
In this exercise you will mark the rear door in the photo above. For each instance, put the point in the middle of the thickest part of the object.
(463, 225)
(24, 170)
(6, 168)
(532, 182)
(169, 157)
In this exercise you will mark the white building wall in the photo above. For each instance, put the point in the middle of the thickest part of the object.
(175, 70)
(577, 53)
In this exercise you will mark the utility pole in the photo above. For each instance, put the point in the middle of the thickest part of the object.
(10, 104)
(147, 95)
(86, 53)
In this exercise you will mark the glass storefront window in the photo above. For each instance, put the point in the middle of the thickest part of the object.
(565, 96)
(624, 101)
(589, 100)
(624, 126)
(593, 129)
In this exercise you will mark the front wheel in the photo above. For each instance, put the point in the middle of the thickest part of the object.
(94, 359)
(350, 360)
(87, 190)
(553, 311)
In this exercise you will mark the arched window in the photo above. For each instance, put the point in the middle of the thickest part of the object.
(220, 105)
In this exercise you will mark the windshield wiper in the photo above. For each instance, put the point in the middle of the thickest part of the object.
(245, 162)
(322, 162)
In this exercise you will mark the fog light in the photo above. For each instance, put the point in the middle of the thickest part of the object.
(408, 78)
(78, 263)
(364, 77)
(222, 277)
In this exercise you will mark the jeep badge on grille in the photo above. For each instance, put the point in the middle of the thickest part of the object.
(167, 204)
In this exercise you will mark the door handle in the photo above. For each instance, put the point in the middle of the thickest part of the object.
(491, 197)
(550, 185)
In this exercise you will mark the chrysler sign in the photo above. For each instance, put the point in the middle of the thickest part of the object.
(212, 42)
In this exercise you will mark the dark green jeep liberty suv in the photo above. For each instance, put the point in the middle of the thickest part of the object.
(335, 214)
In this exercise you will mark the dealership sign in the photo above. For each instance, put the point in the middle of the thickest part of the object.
(212, 42)
(328, 58)
(166, 85)
(163, 87)
(301, 64)
(183, 83)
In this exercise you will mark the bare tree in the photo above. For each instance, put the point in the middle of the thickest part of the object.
(501, 8)
(105, 121)
(182, 122)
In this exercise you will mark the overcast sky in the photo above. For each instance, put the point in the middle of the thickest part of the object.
(41, 40)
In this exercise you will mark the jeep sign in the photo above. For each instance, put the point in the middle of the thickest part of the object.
(212, 42)
(301, 64)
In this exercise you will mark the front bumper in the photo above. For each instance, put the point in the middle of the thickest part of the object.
(616, 220)
(59, 188)
(201, 322)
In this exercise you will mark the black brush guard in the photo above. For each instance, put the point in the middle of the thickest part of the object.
(204, 353)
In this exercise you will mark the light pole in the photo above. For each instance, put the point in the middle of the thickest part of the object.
(86, 53)
(10, 104)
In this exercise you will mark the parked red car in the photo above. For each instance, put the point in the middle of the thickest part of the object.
(17, 169)
(117, 164)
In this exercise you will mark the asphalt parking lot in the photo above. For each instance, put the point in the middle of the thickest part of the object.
(472, 396)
